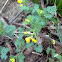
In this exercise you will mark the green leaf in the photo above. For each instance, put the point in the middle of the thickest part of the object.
(48, 50)
(25, 23)
(25, 8)
(49, 11)
(2, 31)
(19, 43)
(0, 47)
(20, 29)
(1, 24)
(20, 57)
(29, 44)
(35, 8)
(25, 1)
(38, 48)
(4, 51)
(10, 30)
(35, 1)
(18, 49)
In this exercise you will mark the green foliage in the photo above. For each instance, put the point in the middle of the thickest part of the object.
(58, 32)
(54, 55)
(37, 19)
(35, 1)
(56, 21)
(26, 8)
(59, 7)
(1, 24)
(20, 41)
(38, 48)
(4, 51)
(20, 57)
(19, 44)
(48, 50)
(49, 12)
(59, 57)
(52, 60)
(25, 1)
(29, 44)
(10, 30)
(36, 6)
(0, 47)
(2, 31)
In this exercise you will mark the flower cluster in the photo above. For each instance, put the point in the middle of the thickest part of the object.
(40, 11)
(53, 41)
(13, 60)
(27, 20)
(30, 38)
(20, 1)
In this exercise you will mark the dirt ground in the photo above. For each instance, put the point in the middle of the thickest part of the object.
(11, 9)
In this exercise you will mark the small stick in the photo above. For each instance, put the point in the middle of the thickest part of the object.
(22, 25)
(8, 37)
(10, 48)
(36, 53)
(4, 6)
(22, 32)
(16, 35)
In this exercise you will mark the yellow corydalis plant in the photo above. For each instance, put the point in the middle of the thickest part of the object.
(21, 5)
(34, 40)
(13, 60)
(26, 32)
(30, 38)
(19, 1)
(53, 41)
(27, 20)
(41, 11)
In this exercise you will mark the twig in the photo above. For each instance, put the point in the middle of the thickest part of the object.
(42, 4)
(23, 32)
(16, 35)
(22, 25)
(4, 6)
(8, 45)
(36, 53)
(55, 6)
(42, 58)
(48, 38)
(8, 37)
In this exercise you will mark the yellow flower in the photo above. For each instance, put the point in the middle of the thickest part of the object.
(34, 40)
(21, 5)
(28, 39)
(19, 1)
(27, 20)
(26, 32)
(53, 41)
(41, 11)
(13, 60)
